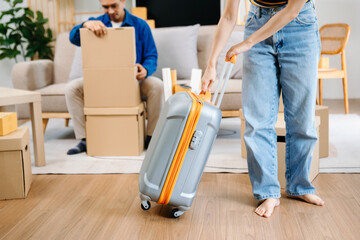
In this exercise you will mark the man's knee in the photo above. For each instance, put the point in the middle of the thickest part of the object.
(155, 85)
(73, 88)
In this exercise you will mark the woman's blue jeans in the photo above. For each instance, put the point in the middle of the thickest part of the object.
(287, 62)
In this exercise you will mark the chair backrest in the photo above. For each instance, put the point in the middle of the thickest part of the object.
(334, 38)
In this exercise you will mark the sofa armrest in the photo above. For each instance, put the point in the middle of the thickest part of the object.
(32, 75)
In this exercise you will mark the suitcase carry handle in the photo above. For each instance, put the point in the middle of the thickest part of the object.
(227, 67)
(205, 96)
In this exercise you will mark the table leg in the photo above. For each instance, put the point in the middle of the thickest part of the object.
(38, 135)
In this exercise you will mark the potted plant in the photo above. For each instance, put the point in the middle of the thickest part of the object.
(24, 33)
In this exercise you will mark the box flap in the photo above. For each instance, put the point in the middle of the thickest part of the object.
(26, 168)
(5, 114)
(114, 49)
(15, 140)
(115, 111)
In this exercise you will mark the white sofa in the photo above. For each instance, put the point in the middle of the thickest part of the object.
(50, 77)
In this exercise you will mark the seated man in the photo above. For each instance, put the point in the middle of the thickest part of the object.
(151, 88)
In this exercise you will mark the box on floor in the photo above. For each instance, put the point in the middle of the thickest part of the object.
(115, 131)
(323, 135)
(15, 164)
(281, 131)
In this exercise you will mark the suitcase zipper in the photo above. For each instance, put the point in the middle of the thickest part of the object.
(181, 150)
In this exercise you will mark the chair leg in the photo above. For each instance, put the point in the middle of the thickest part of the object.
(67, 122)
(346, 100)
(320, 90)
(45, 122)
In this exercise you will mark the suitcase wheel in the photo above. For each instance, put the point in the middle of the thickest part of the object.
(175, 213)
(145, 205)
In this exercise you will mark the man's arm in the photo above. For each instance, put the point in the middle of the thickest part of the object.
(75, 34)
(93, 24)
(150, 54)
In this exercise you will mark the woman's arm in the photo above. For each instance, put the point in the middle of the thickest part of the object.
(277, 22)
(226, 25)
(223, 31)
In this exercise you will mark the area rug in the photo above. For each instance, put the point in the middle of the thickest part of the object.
(344, 154)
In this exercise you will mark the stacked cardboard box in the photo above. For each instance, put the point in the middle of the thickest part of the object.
(323, 135)
(281, 132)
(15, 164)
(8, 122)
(113, 108)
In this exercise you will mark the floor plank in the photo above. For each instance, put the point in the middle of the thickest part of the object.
(108, 207)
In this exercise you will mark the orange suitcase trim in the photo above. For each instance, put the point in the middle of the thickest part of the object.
(181, 150)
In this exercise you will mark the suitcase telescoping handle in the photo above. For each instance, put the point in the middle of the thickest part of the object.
(227, 69)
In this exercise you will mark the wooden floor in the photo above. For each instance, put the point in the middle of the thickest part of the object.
(336, 106)
(108, 207)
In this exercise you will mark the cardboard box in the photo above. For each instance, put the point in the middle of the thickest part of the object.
(281, 104)
(151, 23)
(323, 113)
(15, 164)
(111, 88)
(115, 131)
(140, 12)
(115, 49)
(8, 122)
(281, 149)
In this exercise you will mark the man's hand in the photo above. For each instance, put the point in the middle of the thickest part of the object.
(141, 73)
(96, 27)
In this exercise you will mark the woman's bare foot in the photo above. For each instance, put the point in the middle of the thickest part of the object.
(267, 207)
(310, 198)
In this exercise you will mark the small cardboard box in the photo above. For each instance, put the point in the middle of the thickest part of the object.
(115, 49)
(8, 122)
(323, 113)
(115, 131)
(140, 12)
(281, 150)
(111, 88)
(15, 164)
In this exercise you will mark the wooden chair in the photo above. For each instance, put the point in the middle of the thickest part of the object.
(334, 38)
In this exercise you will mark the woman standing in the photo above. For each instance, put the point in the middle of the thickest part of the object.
(281, 53)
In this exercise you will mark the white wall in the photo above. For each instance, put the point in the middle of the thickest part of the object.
(344, 11)
(329, 11)
(6, 64)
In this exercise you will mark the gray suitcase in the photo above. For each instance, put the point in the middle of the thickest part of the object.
(179, 149)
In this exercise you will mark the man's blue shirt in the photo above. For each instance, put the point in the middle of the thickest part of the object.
(146, 53)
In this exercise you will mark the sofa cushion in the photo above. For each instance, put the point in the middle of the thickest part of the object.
(205, 39)
(64, 54)
(76, 66)
(235, 38)
(53, 98)
(54, 89)
(177, 49)
(204, 42)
